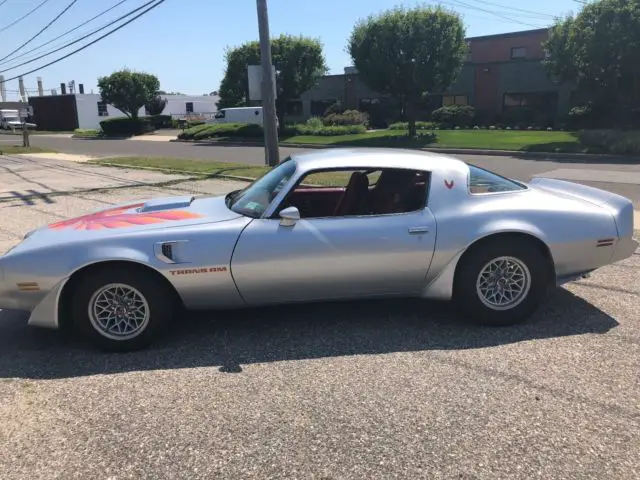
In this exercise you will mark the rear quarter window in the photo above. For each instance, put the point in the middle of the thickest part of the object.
(483, 181)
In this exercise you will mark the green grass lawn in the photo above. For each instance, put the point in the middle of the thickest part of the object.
(14, 149)
(181, 165)
(211, 169)
(534, 141)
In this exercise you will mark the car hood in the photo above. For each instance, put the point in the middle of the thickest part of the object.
(131, 218)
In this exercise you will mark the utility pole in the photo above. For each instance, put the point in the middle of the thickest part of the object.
(268, 90)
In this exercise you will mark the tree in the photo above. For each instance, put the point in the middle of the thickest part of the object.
(128, 91)
(298, 61)
(156, 105)
(598, 50)
(409, 53)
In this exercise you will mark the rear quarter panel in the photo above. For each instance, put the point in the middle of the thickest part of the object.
(569, 227)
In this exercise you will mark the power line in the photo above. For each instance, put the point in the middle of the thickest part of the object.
(23, 54)
(491, 12)
(529, 13)
(55, 19)
(33, 10)
(90, 43)
(2, 3)
(79, 39)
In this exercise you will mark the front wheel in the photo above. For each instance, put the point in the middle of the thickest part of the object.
(501, 283)
(121, 309)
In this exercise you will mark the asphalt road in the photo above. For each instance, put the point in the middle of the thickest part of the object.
(402, 389)
(522, 168)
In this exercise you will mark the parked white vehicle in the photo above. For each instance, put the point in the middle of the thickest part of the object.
(239, 115)
(10, 120)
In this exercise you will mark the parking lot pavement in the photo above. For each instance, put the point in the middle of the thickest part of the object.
(395, 389)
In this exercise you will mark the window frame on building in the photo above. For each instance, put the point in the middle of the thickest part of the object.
(103, 110)
(188, 106)
(518, 57)
(455, 97)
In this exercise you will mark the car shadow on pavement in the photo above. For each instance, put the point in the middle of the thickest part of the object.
(289, 333)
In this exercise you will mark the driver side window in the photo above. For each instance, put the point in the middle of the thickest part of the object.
(358, 192)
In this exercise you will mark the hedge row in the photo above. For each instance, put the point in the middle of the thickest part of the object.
(123, 126)
(243, 130)
(617, 142)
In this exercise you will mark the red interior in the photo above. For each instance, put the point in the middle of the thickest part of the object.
(396, 191)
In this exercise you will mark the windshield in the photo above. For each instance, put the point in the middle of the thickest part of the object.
(256, 198)
(12, 119)
(219, 114)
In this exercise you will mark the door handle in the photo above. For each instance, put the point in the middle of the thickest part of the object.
(417, 230)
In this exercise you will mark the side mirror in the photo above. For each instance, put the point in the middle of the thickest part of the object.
(289, 216)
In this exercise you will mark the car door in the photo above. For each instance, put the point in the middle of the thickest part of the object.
(334, 258)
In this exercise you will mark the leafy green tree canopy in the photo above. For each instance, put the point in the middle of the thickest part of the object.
(599, 50)
(128, 91)
(298, 61)
(409, 53)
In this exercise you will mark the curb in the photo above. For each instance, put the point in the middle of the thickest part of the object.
(578, 157)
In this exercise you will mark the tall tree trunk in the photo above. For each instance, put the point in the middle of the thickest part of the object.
(410, 115)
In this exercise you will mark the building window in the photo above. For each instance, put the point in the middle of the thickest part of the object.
(533, 99)
(189, 106)
(454, 100)
(318, 107)
(102, 109)
(519, 52)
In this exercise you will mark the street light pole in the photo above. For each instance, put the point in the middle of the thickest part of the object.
(268, 90)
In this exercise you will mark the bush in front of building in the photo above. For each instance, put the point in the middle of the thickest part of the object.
(251, 131)
(323, 131)
(160, 121)
(346, 118)
(419, 126)
(617, 142)
(125, 126)
(451, 116)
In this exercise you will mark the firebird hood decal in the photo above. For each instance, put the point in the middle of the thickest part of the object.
(122, 217)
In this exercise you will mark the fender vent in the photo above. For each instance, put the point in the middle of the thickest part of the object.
(167, 250)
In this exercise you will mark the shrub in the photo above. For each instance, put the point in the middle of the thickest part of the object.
(243, 130)
(125, 126)
(315, 122)
(419, 126)
(348, 117)
(616, 142)
(335, 108)
(423, 138)
(324, 131)
(160, 121)
(451, 116)
(582, 116)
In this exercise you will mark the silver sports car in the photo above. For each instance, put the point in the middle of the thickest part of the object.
(327, 225)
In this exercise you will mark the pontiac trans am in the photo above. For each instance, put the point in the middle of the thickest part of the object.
(327, 225)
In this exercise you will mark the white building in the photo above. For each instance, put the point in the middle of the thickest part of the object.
(91, 110)
(86, 110)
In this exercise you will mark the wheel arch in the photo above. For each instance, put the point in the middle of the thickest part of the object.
(513, 236)
(64, 304)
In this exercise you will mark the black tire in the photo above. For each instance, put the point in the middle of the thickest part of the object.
(469, 300)
(158, 297)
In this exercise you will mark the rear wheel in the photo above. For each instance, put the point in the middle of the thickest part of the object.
(121, 309)
(501, 283)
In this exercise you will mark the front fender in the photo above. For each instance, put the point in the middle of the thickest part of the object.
(46, 312)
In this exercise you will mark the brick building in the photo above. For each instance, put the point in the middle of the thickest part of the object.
(502, 73)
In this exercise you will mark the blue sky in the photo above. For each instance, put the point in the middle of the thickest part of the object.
(183, 41)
